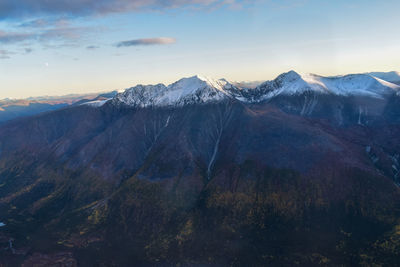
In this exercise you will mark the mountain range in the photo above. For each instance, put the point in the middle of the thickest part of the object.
(16, 108)
(199, 89)
(302, 170)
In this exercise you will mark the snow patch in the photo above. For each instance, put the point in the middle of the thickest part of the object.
(96, 103)
(392, 76)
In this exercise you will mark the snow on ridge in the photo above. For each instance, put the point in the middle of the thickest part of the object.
(391, 76)
(358, 84)
(291, 83)
(198, 89)
(96, 103)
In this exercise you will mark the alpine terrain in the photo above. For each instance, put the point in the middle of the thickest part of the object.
(301, 170)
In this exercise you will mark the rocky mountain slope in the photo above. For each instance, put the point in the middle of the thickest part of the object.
(302, 169)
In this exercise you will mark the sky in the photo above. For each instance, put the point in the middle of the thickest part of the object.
(79, 46)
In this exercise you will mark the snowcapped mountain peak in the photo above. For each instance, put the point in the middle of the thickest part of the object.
(358, 84)
(195, 82)
(289, 83)
(200, 89)
(195, 89)
(191, 80)
(199, 81)
(289, 76)
(292, 83)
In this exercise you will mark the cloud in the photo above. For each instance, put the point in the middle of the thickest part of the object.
(147, 41)
(13, 37)
(50, 22)
(34, 23)
(54, 34)
(62, 33)
(44, 23)
(49, 38)
(92, 47)
(31, 8)
(4, 54)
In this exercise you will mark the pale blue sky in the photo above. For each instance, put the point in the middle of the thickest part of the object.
(44, 49)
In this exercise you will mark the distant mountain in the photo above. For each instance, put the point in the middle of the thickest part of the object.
(301, 170)
(16, 108)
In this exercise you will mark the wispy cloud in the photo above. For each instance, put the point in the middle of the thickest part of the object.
(14, 37)
(62, 34)
(4, 54)
(45, 23)
(92, 47)
(49, 38)
(32, 8)
(52, 23)
(147, 41)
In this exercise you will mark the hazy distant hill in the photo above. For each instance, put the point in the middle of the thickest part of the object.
(15, 108)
